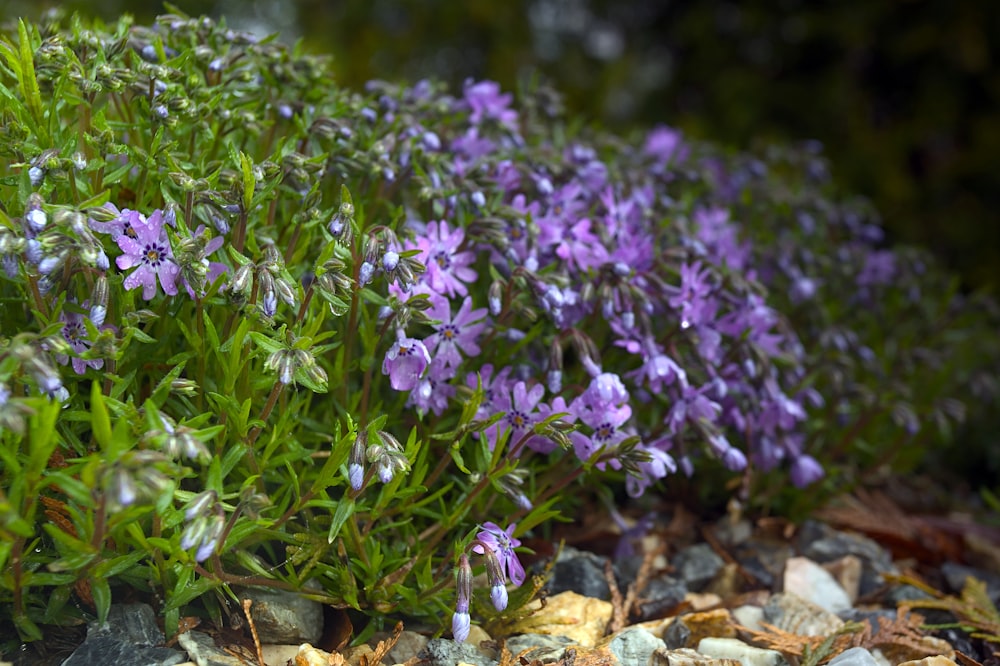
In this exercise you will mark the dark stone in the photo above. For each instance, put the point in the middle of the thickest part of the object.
(871, 617)
(105, 650)
(446, 652)
(697, 565)
(659, 597)
(764, 560)
(955, 575)
(285, 617)
(130, 637)
(580, 572)
(677, 634)
(822, 543)
(960, 640)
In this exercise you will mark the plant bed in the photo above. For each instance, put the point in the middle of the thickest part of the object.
(260, 330)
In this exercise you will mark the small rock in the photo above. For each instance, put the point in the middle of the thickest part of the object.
(580, 618)
(794, 614)
(580, 572)
(697, 565)
(284, 617)
(202, 650)
(702, 601)
(279, 654)
(847, 572)
(477, 635)
(822, 543)
(311, 656)
(661, 595)
(749, 616)
(956, 574)
(869, 616)
(936, 660)
(899, 593)
(856, 656)
(634, 647)
(677, 635)
(764, 558)
(354, 655)
(688, 657)
(446, 652)
(731, 532)
(539, 647)
(130, 637)
(718, 623)
(731, 648)
(728, 582)
(407, 645)
(808, 580)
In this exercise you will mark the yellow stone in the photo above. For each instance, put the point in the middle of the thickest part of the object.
(716, 623)
(936, 660)
(584, 620)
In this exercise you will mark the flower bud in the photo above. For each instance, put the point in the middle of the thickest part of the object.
(461, 622)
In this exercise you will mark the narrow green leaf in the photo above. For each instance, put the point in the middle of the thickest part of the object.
(100, 421)
(345, 508)
(100, 590)
(249, 182)
(29, 84)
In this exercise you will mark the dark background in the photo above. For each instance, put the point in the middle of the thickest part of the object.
(903, 94)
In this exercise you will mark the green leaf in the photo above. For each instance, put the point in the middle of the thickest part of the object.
(345, 508)
(29, 83)
(100, 590)
(118, 565)
(100, 422)
(186, 592)
(249, 182)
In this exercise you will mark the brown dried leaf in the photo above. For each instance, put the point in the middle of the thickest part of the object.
(973, 609)
(902, 631)
(383, 647)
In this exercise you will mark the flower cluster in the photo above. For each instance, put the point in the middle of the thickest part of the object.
(369, 320)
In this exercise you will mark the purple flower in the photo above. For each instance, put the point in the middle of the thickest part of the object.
(693, 298)
(75, 333)
(665, 144)
(692, 406)
(432, 392)
(447, 268)
(455, 333)
(520, 406)
(405, 361)
(150, 253)
(120, 225)
(879, 268)
(657, 467)
(806, 470)
(501, 543)
(486, 101)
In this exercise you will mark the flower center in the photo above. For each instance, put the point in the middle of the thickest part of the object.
(443, 260)
(153, 255)
(517, 419)
(449, 331)
(73, 332)
(604, 432)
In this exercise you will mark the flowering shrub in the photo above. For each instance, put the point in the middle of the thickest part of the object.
(262, 330)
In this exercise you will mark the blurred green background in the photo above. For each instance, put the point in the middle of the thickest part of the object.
(903, 94)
